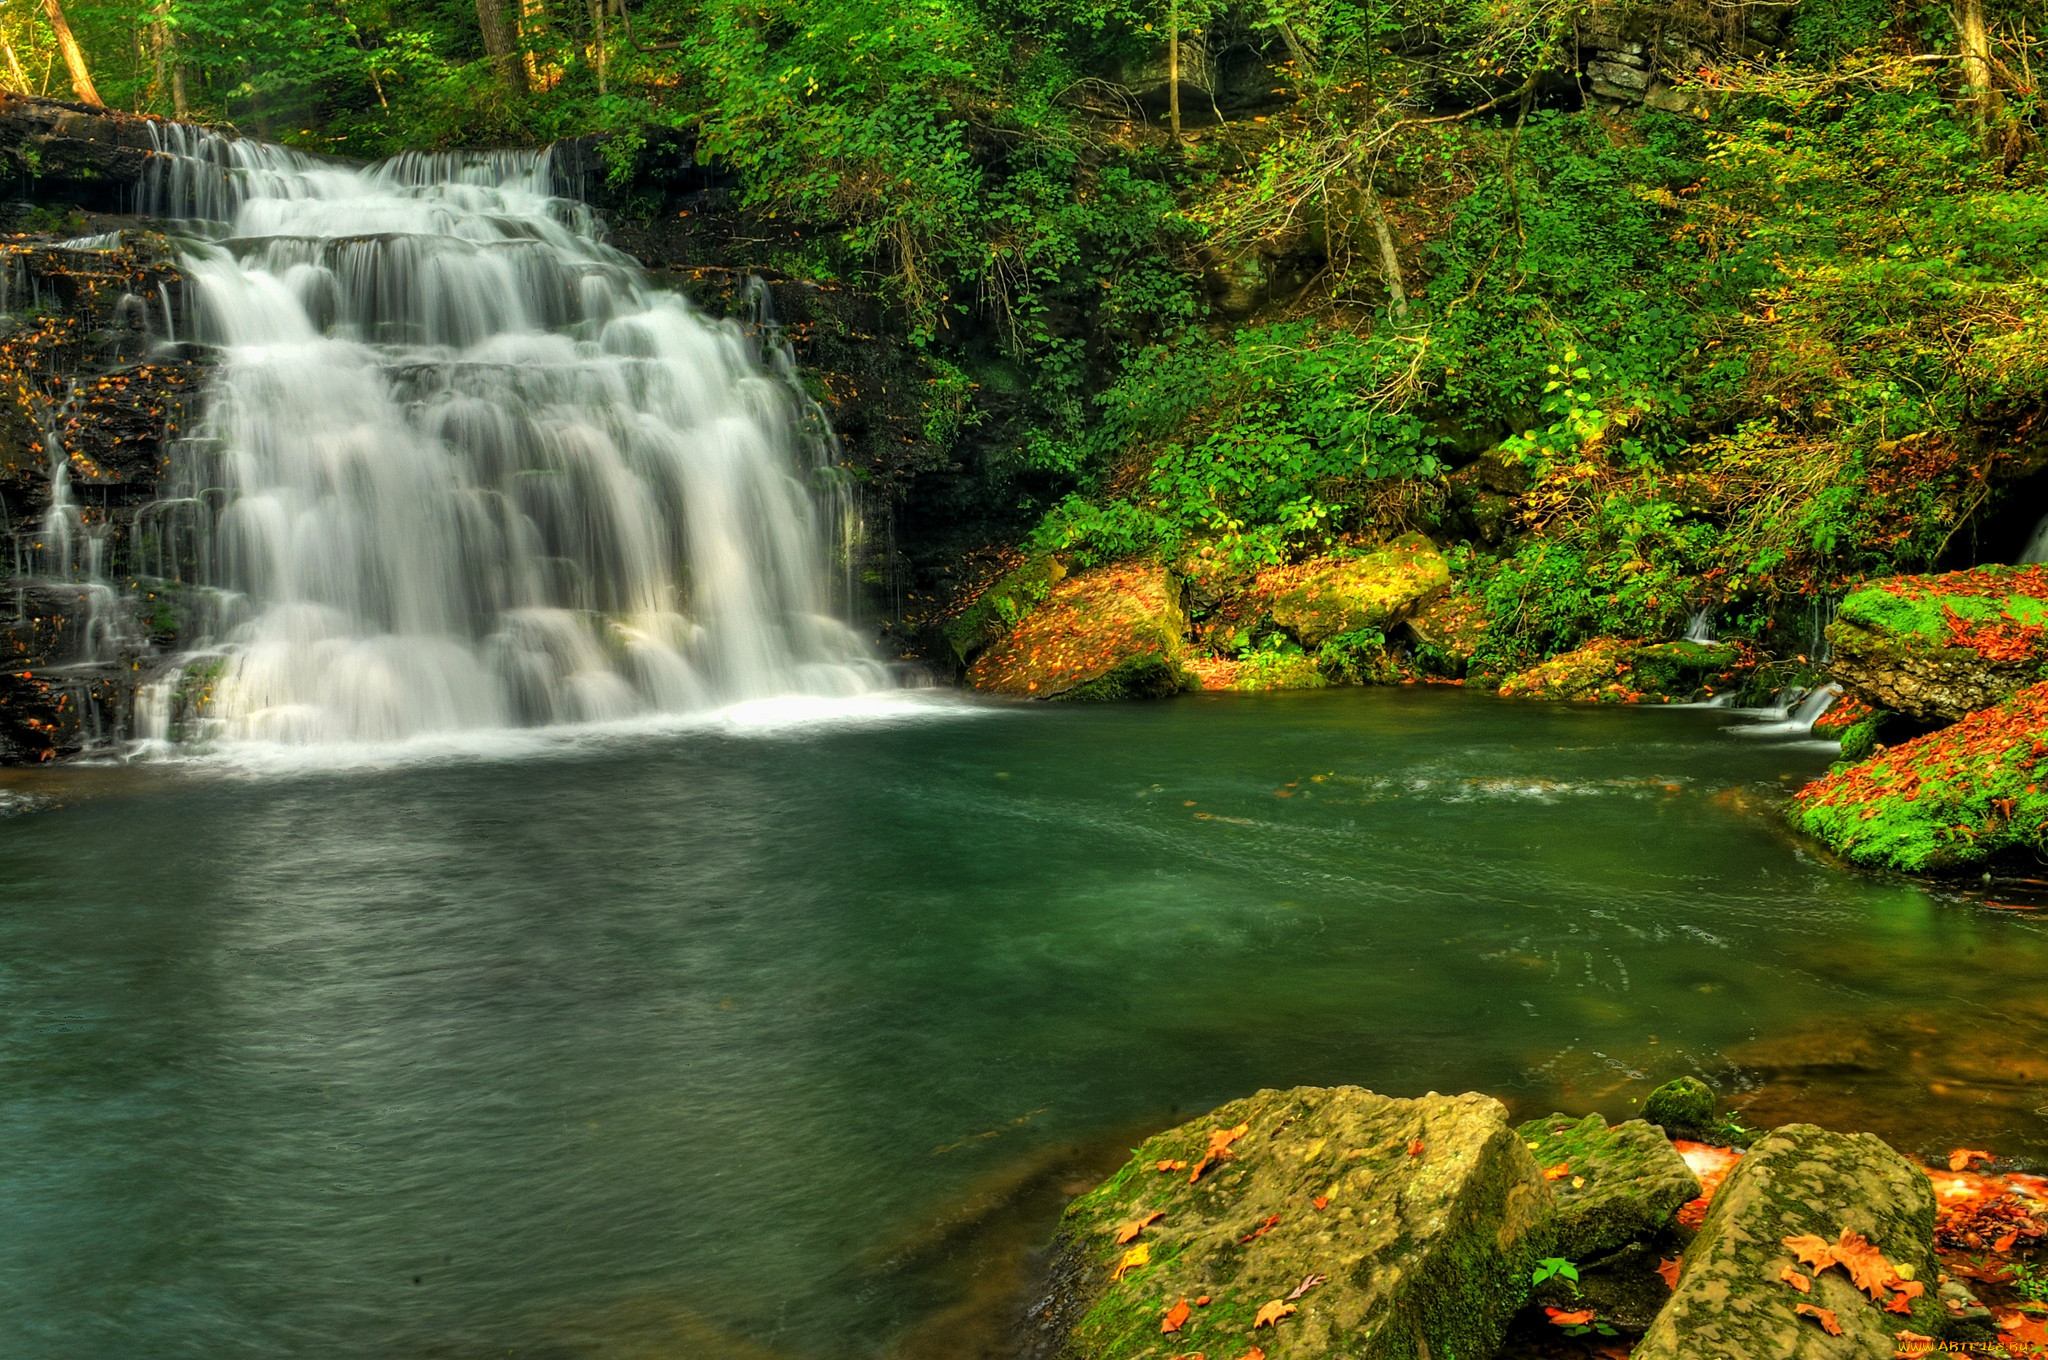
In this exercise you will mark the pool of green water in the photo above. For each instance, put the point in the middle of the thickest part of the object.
(787, 1042)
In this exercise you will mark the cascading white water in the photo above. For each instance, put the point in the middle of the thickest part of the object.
(463, 467)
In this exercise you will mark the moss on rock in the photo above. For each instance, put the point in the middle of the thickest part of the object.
(1332, 596)
(1614, 671)
(1432, 1213)
(1111, 633)
(1621, 1184)
(1683, 1107)
(1941, 802)
(1938, 647)
(1731, 1304)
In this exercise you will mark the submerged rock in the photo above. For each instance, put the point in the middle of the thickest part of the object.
(1366, 1226)
(1943, 801)
(1938, 647)
(1732, 1301)
(1331, 597)
(1109, 633)
(1616, 1185)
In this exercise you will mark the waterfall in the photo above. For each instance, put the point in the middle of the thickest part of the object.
(1701, 628)
(463, 468)
(2036, 549)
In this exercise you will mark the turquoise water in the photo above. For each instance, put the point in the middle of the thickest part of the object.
(791, 1037)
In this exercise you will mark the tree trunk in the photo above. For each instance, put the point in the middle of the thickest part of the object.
(597, 41)
(1974, 40)
(74, 58)
(532, 23)
(14, 69)
(501, 43)
(1390, 260)
(1173, 66)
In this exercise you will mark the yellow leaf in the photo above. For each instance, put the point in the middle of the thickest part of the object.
(1132, 1259)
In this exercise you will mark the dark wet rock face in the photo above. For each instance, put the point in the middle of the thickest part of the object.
(1400, 1227)
(1732, 1302)
(1616, 1185)
(92, 394)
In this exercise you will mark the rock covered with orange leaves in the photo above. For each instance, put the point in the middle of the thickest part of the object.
(1112, 632)
(1305, 1223)
(1817, 1245)
(1938, 647)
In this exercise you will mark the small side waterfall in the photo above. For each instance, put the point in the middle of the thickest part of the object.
(2037, 545)
(464, 468)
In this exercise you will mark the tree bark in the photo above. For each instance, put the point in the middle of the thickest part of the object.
(597, 41)
(14, 69)
(501, 43)
(1173, 66)
(1390, 259)
(74, 57)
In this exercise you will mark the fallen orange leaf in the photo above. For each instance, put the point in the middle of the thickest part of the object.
(1321, 1201)
(1796, 1280)
(1202, 1302)
(1416, 1147)
(1813, 1250)
(1824, 1316)
(1867, 1268)
(1175, 1316)
(1165, 1165)
(2004, 1244)
(1560, 1318)
(1219, 1148)
(1669, 1270)
(1132, 1259)
(1562, 1169)
(1261, 1230)
(1960, 1159)
(1269, 1314)
(1253, 1354)
(1126, 1231)
(1913, 1346)
(1901, 1304)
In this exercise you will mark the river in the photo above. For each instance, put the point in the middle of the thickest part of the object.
(781, 1031)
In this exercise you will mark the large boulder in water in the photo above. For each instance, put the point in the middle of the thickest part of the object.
(1937, 647)
(1362, 1225)
(1113, 632)
(1847, 1193)
(1941, 802)
(1332, 596)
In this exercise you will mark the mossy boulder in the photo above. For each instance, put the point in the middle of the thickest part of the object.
(1113, 632)
(1683, 1107)
(1731, 1302)
(1615, 671)
(1619, 1185)
(998, 609)
(1446, 633)
(1944, 801)
(1334, 596)
(1938, 647)
(1430, 1216)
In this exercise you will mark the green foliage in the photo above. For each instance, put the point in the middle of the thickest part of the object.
(1555, 1268)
